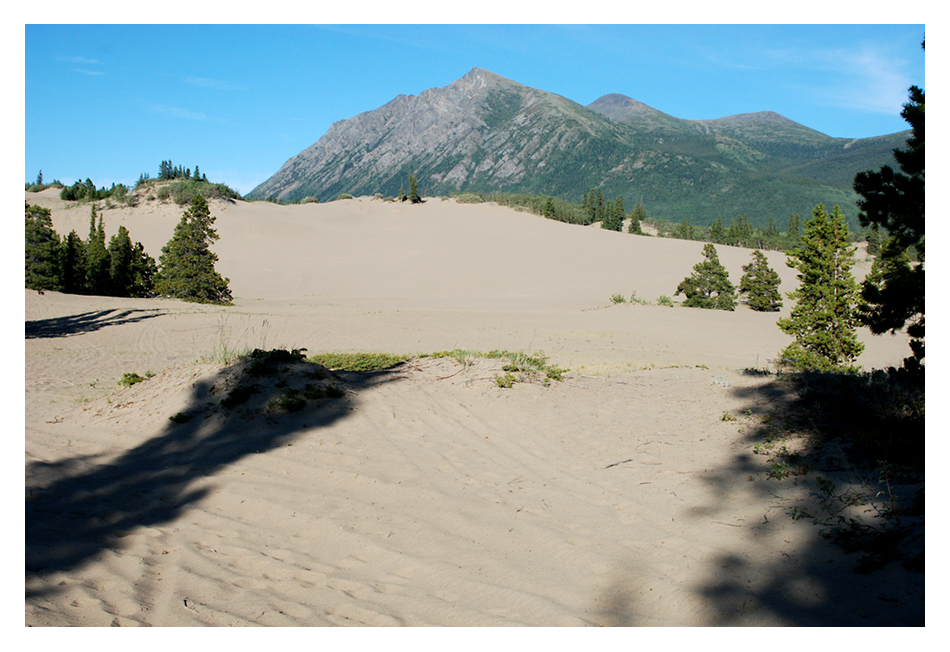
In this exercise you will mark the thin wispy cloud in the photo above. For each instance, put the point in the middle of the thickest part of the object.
(88, 72)
(83, 60)
(177, 112)
(216, 84)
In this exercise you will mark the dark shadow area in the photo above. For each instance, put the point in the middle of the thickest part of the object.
(77, 507)
(86, 322)
(838, 460)
(840, 449)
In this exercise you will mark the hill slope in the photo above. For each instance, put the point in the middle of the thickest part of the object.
(487, 133)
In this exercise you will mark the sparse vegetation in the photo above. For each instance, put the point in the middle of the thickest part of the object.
(359, 362)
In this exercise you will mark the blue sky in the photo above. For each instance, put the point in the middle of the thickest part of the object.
(109, 102)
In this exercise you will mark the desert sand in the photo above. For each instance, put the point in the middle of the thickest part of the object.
(426, 495)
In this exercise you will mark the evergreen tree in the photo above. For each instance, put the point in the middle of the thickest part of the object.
(794, 228)
(186, 266)
(97, 257)
(600, 208)
(716, 233)
(636, 217)
(893, 293)
(42, 250)
(414, 190)
(143, 272)
(760, 284)
(709, 285)
(73, 262)
(120, 263)
(824, 318)
(549, 208)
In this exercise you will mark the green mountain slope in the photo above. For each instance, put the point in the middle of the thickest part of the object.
(486, 133)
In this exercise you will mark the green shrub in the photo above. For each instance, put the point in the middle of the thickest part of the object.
(359, 362)
(664, 300)
(618, 298)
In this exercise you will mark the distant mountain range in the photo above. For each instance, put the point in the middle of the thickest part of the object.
(485, 133)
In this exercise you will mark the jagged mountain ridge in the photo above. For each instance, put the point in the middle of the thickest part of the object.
(487, 133)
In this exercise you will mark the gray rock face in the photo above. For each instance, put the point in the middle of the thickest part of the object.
(486, 133)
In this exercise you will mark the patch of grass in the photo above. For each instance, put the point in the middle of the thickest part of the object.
(618, 298)
(130, 379)
(358, 362)
(527, 367)
(664, 300)
(507, 381)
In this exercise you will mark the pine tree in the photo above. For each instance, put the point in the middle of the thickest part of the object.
(824, 318)
(186, 266)
(893, 293)
(120, 263)
(97, 257)
(73, 262)
(42, 250)
(143, 272)
(709, 285)
(600, 208)
(636, 217)
(716, 233)
(414, 190)
(549, 208)
(760, 284)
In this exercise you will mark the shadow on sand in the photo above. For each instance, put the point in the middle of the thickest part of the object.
(79, 506)
(85, 322)
(817, 582)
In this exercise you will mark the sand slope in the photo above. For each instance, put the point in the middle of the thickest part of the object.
(427, 495)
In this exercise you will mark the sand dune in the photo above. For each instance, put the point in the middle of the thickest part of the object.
(427, 495)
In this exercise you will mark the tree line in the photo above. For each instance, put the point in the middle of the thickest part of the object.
(75, 266)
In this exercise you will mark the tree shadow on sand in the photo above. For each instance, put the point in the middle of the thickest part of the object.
(85, 322)
(857, 557)
(78, 507)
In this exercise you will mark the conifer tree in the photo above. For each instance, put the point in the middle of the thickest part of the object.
(186, 266)
(709, 285)
(638, 214)
(73, 262)
(716, 233)
(824, 318)
(42, 250)
(143, 272)
(893, 293)
(97, 257)
(414, 190)
(120, 263)
(760, 284)
(600, 208)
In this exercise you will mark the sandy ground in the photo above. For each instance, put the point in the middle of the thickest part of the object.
(427, 495)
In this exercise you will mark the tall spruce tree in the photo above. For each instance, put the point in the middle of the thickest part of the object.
(414, 190)
(709, 285)
(824, 318)
(760, 284)
(893, 293)
(42, 250)
(638, 214)
(120, 263)
(97, 257)
(73, 262)
(186, 266)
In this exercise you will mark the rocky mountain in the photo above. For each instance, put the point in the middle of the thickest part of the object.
(486, 133)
